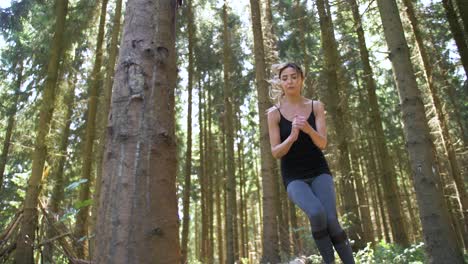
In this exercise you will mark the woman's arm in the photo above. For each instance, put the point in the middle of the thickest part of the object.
(319, 136)
(278, 148)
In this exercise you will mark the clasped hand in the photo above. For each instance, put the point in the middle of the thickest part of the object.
(299, 123)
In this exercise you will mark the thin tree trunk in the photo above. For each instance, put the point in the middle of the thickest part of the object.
(228, 122)
(11, 121)
(188, 155)
(219, 224)
(364, 205)
(212, 170)
(458, 34)
(268, 36)
(58, 172)
(388, 176)
(137, 221)
(301, 17)
(270, 235)
(372, 176)
(103, 115)
(337, 111)
(201, 172)
(209, 175)
(439, 238)
(463, 9)
(82, 218)
(26, 237)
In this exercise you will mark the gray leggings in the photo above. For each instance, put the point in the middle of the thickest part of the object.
(317, 199)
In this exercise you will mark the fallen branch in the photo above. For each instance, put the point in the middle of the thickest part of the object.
(53, 239)
(4, 236)
(67, 248)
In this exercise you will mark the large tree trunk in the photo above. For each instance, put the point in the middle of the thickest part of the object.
(439, 237)
(436, 100)
(137, 221)
(81, 226)
(11, 121)
(388, 171)
(188, 155)
(229, 131)
(26, 237)
(270, 235)
(270, 41)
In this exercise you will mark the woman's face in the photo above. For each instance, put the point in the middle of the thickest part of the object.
(291, 81)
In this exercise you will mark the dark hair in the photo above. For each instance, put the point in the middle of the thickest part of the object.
(291, 65)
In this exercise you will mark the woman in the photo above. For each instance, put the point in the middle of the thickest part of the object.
(297, 136)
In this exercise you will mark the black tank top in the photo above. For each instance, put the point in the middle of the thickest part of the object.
(304, 159)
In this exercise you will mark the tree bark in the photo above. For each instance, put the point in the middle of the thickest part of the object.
(337, 110)
(439, 238)
(103, 114)
(463, 9)
(388, 176)
(58, 172)
(443, 122)
(11, 121)
(82, 218)
(137, 221)
(229, 130)
(219, 223)
(26, 236)
(269, 38)
(270, 235)
(188, 155)
(458, 34)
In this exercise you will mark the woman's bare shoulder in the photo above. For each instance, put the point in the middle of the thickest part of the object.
(319, 106)
(273, 113)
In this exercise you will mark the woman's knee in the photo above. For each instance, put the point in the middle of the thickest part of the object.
(333, 225)
(318, 218)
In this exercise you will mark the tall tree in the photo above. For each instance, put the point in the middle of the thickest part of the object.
(103, 112)
(439, 238)
(82, 218)
(58, 194)
(443, 122)
(229, 131)
(463, 10)
(26, 237)
(137, 219)
(388, 171)
(18, 69)
(458, 34)
(188, 155)
(336, 108)
(270, 235)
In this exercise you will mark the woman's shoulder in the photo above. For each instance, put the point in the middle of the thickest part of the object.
(312, 101)
(273, 113)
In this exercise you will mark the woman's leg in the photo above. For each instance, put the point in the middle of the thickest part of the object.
(301, 194)
(324, 189)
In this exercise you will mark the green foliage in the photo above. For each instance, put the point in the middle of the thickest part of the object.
(383, 253)
(391, 253)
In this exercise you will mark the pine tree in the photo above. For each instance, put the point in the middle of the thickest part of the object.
(28, 225)
(137, 219)
(438, 236)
